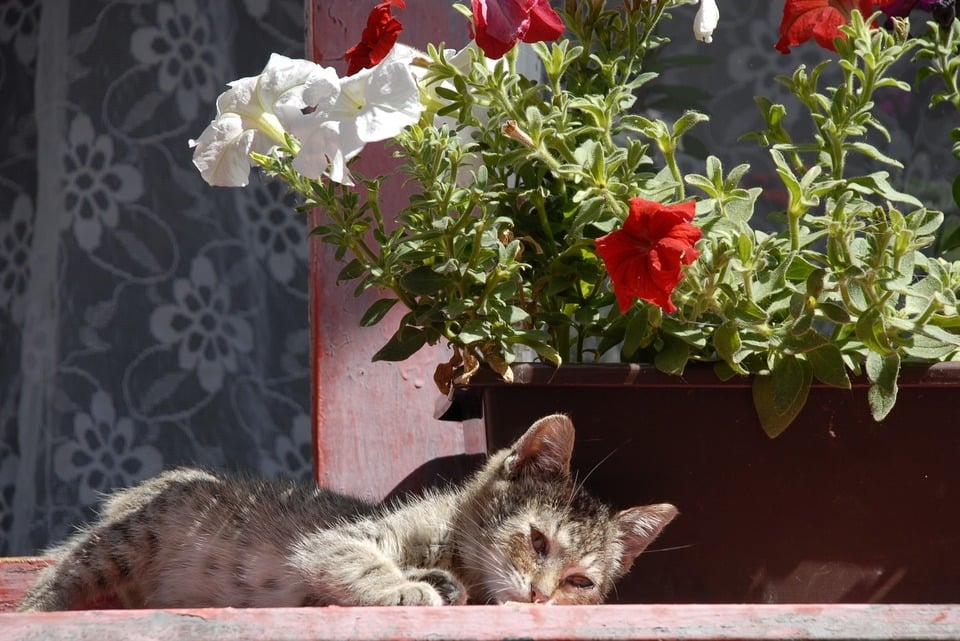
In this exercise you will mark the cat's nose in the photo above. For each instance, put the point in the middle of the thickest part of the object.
(537, 595)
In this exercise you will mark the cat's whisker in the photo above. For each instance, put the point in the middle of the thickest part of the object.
(578, 487)
(670, 549)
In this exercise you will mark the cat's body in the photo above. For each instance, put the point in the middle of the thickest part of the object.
(519, 530)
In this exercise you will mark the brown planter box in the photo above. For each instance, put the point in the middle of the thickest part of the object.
(837, 509)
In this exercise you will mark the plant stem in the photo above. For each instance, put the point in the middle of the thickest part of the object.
(669, 154)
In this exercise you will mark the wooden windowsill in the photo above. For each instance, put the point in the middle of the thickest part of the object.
(478, 623)
(481, 623)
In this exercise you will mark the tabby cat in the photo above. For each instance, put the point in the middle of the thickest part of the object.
(520, 530)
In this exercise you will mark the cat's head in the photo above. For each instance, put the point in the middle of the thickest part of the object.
(529, 533)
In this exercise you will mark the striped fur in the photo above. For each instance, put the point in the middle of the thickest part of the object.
(519, 530)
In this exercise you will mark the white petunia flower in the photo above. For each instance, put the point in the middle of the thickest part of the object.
(706, 21)
(222, 152)
(372, 105)
(254, 115)
(384, 101)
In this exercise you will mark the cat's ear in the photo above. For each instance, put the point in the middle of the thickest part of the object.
(544, 450)
(639, 526)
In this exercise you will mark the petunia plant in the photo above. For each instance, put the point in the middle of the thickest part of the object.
(551, 217)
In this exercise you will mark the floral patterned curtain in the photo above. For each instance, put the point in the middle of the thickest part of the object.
(146, 319)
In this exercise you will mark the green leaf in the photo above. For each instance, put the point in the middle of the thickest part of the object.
(672, 358)
(586, 154)
(882, 372)
(824, 357)
(871, 331)
(741, 208)
(423, 281)
(834, 312)
(786, 175)
(941, 335)
(735, 176)
(590, 212)
(744, 247)
(545, 351)
(828, 367)
(773, 284)
(516, 315)
(726, 340)
(928, 349)
(815, 283)
(803, 323)
(474, 332)
(877, 183)
(703, 184)
(353, 269)
(377, 311)
(687, 121)
(780, 395)
(872, 152)
(402, 345)
(639, 332)
(723, 370)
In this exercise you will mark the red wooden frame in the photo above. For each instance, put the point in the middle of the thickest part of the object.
(373, 422)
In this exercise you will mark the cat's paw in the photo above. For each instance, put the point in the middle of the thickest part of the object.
(415, 593)
(444, 584)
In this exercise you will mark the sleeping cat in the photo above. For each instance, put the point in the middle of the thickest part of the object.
(521, 529)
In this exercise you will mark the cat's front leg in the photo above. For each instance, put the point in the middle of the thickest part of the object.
(343, 570)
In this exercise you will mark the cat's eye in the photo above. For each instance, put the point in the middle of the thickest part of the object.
(539, 542)
(579, 581)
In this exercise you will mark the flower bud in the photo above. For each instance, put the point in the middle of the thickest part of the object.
(944, 12)
(511, 129)
(901, 29)
(706, 21)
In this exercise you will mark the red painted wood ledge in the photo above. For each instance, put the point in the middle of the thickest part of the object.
(488, 623)
(476, 623)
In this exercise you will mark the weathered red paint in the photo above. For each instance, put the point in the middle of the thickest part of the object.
(479, 623)
(490, 623)
(16, 576)
(373, 422)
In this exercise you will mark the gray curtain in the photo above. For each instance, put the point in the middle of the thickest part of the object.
(146, 319)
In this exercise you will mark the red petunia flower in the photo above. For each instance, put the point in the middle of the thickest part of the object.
(377, 39)
(644, 259)
(820, 20)
(499, 24)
